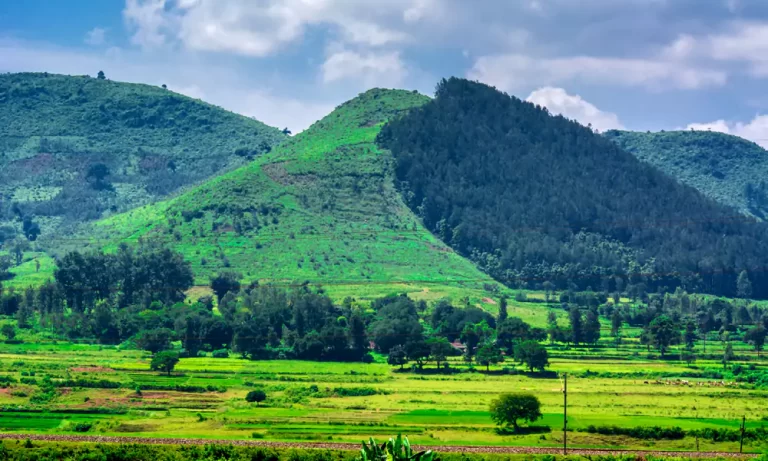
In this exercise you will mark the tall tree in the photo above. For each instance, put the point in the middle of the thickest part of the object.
(502, 310)
(663, 331)
(616, 323)
(592, 327)
(577, 332)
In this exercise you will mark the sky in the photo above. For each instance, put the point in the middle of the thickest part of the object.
(624, 64)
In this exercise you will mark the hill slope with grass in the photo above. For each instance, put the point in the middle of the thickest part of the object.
(534, 198)
(321, 207)
(725, 168)
(74, 149)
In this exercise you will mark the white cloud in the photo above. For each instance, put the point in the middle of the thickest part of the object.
(514, 71)
(755, 130)
(558, 101)
(96, 36)
(372, 68)
(261, 28)
(148, 20)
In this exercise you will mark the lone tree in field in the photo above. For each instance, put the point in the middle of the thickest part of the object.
(257, 396)
(507, 409)
(164, 361)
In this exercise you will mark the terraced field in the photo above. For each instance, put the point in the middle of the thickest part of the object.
(96, 394)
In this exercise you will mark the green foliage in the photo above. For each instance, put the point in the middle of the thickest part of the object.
(164, 361)
(533, 355)
(522, 219)
(77, 148)
(395, 449)
(725, 168)
(320, 207)
(257, 396)
(507, 409)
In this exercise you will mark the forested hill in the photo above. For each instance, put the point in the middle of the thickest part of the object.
(73, 149)
(534, 198)
(320, 208)
(726, 168)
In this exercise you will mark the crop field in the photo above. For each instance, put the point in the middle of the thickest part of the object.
(107, 391)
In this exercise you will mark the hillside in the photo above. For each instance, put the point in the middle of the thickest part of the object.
(321, 207)
(534, 198)
(74, 149)
(726, 168)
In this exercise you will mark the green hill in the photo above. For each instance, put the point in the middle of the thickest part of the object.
(725, 168)
(74, 149)
(533, 198)
(321, 207)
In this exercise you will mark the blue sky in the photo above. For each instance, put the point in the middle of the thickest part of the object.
(635, 64)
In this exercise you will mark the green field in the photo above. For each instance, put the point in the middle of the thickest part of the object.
(307, 400)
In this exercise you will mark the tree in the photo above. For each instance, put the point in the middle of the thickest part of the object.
(533, 355)
(592, 327)
(397, 356)
(512, 331)
(257, 396)
(502, 310)
(689, 336)
(417, 351)
(507, 409)
(616, 323)
(472, 336)
(8, 331)
(17, 247)
(706, 322)
(743, 315)
(164, 361)
(727, 354)
(756, 337)
(286, 131)
(577, 332)
(489, 354)
(662, 331)
(155, 340)
(743, 285)
(225, 282)
(439, 349)
(101, 75)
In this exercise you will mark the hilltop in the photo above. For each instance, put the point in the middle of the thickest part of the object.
(533, 198)
(725, 168)
(320, 208)
(76, 148)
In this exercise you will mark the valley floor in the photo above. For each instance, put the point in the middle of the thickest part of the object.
(349, 402)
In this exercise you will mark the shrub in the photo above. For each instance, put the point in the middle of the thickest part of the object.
(220, 354)
(83, 427)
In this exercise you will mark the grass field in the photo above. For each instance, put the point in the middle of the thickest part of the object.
(310, 400)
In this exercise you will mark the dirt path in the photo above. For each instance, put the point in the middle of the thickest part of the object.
(354, 446)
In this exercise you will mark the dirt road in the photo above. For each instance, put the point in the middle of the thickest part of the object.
(352, 446)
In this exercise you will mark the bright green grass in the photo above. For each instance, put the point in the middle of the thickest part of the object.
(322, 208)
(431, 409)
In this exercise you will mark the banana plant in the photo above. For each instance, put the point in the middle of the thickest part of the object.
(398, 449)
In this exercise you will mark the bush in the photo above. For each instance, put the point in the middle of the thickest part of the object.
(221, 354)
(83, 427)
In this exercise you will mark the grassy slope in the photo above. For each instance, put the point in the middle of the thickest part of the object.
(54, 127)
(321, 207)
(717, 164)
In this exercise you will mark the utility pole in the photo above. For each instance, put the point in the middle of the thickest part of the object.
(743, 428)
(565, 413)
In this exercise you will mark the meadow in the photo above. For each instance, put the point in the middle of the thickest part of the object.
(102, 390)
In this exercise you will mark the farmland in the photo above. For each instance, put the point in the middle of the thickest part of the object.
(347, 402)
